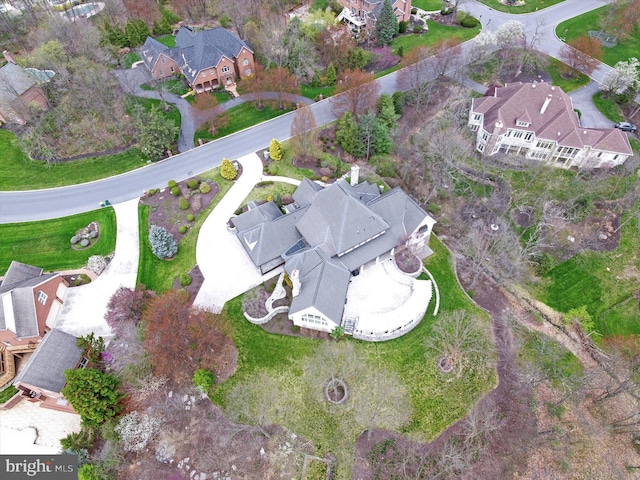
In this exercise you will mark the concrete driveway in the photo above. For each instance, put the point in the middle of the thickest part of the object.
(227, 269)
(590, 115)
(84, 307)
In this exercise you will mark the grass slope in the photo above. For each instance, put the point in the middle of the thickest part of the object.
(46, 244)
(581, 24)
(17, 172)
(436, 33)
(604, 282)
(528, 7)
(437, 401)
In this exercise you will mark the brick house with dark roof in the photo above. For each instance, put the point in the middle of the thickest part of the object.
(19, 91)
(29, 304)
(208, 59)
(327, 235)
(537, 120)
(364, 13)
(42, 378)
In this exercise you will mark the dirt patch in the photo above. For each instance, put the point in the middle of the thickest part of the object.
(407, 262)
(164, 207)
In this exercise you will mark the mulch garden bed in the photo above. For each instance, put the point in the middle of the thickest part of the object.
(164, 208)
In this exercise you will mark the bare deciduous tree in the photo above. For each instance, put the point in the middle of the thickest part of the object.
(254, 402)
(303, 134)
(356, 92)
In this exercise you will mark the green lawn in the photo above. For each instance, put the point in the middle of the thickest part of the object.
(177, 86)
(578, 80)
(608, 107)
(437, 400)
(167, 40)
(158, 275)
(241, 117)
(435, 33)
(131, 58)
(17, 172)
(46, 244)
(312, 92)
(581, 24)
(220, 95)
(7, 393)
(263, 192)
(528, 7)
(428, 5)
(604, 282)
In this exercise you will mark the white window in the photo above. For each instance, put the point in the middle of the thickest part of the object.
(204, 74)
(172, 70)
(474, 127)
(83, 363)
(528, 136)
(42, 298)
(247, 71)
(522, 124)
(485, 136)
(213, 71)
(518, 133)
(245, 62)
(477, 117)
(315, 319)
(225, 69)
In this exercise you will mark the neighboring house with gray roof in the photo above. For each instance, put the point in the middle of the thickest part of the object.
(42, 378)
(29, 304)
(326, 236)
(20, 91)
(209, 59)
(537, 120)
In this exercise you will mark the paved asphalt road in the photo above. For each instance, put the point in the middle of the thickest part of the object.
(52, 203)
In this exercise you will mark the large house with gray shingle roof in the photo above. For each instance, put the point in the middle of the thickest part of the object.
(29, 304)
(537, 120)
(208, 59)
(20, 91)
(325, 237)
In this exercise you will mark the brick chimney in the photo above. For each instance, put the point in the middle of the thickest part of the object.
(8, 57)
(546, 103)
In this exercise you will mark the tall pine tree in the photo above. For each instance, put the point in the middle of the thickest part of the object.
(387, 24)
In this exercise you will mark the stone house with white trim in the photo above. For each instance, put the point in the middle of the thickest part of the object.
(209, 59)
(326, 237)
(537, 120)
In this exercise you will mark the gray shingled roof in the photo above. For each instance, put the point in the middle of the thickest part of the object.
(262, 213)
(45, 369)
(324, 283)
(195, 51)
(306, 192)
(19, 272)
(338, 221)
(14, 81)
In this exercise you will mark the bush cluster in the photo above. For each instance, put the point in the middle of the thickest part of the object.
(185, 280)
(204, 379)
(172, 183)
(469, 22)
(182, 229)
(163, 245)
(275, 150)
(193, 184)
(175, 191)
(205, 187)
(227, 170)
(183, 203)
(190, 217)
(153, 191)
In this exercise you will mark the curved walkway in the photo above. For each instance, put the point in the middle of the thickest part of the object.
(132, 79)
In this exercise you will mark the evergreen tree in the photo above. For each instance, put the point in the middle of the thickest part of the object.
(227, 170)
(347, 135)
(275, 150)
(93, 394)
(387, 24)
(331, 74)
(387, 112)
(155, 132)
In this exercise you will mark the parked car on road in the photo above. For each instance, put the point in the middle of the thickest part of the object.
(626, 127)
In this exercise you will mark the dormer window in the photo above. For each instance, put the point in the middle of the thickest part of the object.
(42, 298)
(521, 123)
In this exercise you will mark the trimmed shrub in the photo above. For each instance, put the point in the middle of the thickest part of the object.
(193, 184)
(469, 22)
(204, 379)
(163, 245)
(74, 240)
(183, 203)
(93, 234)
(418, 29)
(275, 150)
(190, 217)
(153, 191)
(182, 229)
(175, 191)
(414, 10)
(402, 26)
(460, 16)
(227, 170)
(84, 242)
(185, 280)
(172, 183)
(205, 187)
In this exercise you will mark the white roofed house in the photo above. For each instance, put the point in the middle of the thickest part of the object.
(326, 237)
(537, 120)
